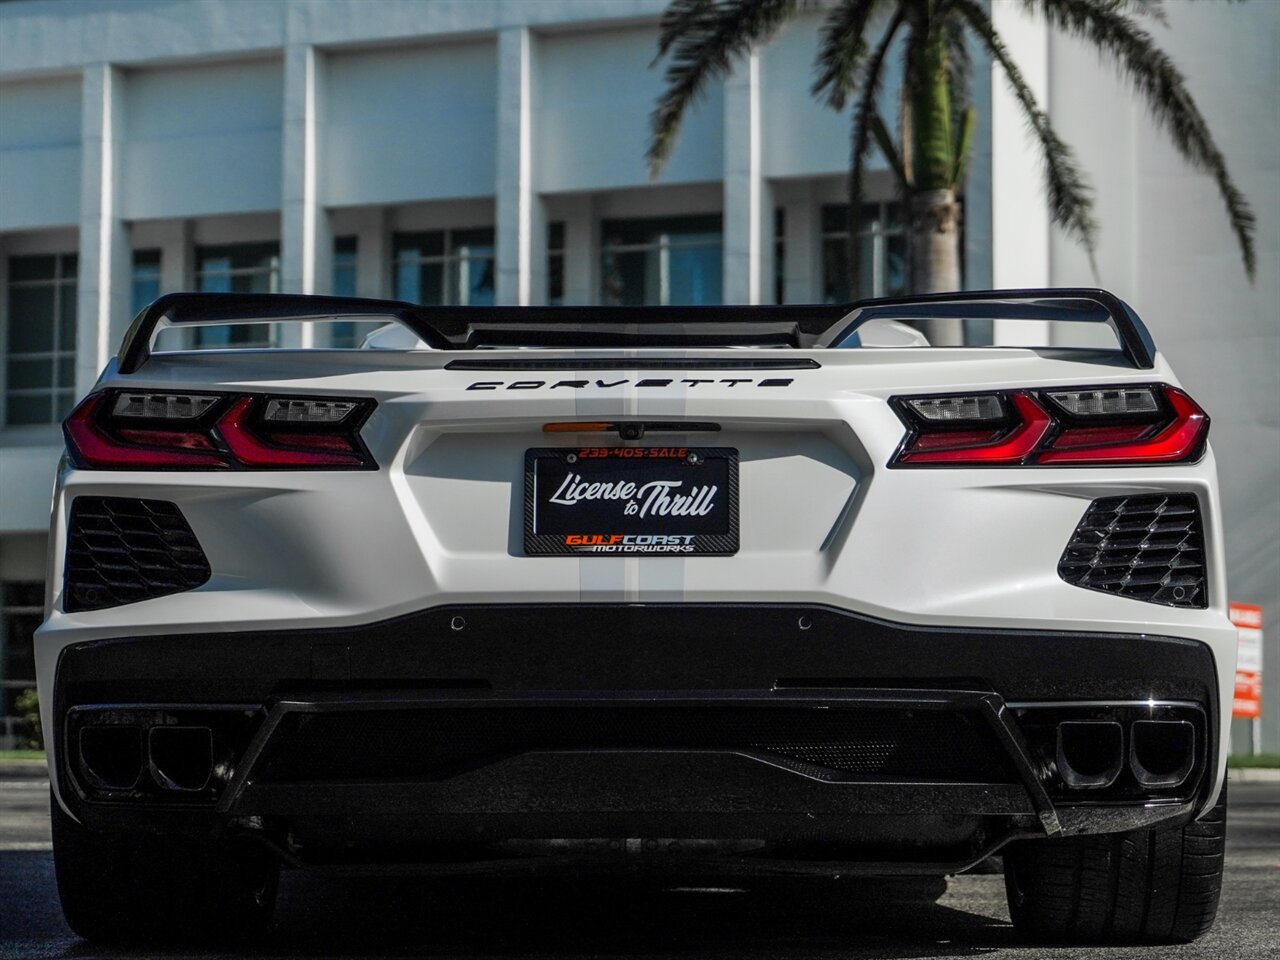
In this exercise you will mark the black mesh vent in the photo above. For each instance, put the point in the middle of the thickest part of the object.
(439, 742)
(121, 550)
(1148, 547)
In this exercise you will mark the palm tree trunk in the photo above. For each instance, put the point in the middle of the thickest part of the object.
(934, 243)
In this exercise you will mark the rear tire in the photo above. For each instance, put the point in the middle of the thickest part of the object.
(140, 888)
(1145, 886)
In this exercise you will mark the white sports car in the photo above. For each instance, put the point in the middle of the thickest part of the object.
(704, 590)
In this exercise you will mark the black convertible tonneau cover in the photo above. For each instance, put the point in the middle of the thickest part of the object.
(797, 326)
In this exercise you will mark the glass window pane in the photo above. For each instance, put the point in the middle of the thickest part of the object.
(344, 281)
(30, 374)
(555, 235)
(63, 403)
(835, 270)
(475, 281)
(68, 266)
(144, 291)
(23, 409)
(429, 283)
(23, 593)
(67, 317)
(695, 275)
(67, 371)
(349, 335)
(462, 240)
(31, 319)
(41, 267)
(417, 245)
(213, 338)
(623, 278)
(408, 283)
(834, 219)
(555, 279)
(895, 267)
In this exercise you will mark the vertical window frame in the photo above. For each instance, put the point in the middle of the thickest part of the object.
(455, 261)
(65, 278)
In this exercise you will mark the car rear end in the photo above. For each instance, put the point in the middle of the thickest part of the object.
(640, 594)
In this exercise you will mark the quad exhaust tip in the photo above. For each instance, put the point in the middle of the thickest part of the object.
(114, 756)
(1090, 753)
(111, 755)
(180, 758)
(1161, 752)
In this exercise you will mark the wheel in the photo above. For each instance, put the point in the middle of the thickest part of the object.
(1145, 886)
(137, 888)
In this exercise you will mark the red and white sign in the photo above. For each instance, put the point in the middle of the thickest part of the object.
(1248, 697)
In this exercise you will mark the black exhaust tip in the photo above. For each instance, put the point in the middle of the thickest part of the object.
(1090, 753)
(1162, 752)
(111, 755)
(181, 758)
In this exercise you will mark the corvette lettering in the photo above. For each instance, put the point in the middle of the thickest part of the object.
(611, 384)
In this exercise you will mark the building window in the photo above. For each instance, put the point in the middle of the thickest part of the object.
(445, 267)
(555, 264)
(40, 372)
(661, 260)
(346, 334)
(146, 279)
(779, 255)
(883, 239)
(21, 610)
(237, 268)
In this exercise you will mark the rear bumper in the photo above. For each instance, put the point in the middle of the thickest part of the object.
(778, 733)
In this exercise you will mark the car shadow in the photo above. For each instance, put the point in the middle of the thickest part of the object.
(622, 917)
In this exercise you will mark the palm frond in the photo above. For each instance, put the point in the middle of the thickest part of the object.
(870, 78)
(884, 140)
(959, 63)
(1154, 9)
(1070, 203)
(702, 38)
(842, 51)
(1162, 84)
(964, 143)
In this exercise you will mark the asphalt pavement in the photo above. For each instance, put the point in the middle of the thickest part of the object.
(619, 918)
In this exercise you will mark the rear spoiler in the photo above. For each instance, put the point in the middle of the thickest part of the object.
(468, 328)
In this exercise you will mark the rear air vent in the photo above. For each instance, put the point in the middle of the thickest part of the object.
(1148, 547)
(121, 550)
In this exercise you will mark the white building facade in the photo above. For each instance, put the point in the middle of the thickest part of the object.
(492, 151)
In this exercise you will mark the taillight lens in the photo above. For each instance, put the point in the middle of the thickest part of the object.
(133, 430)
(1144, 423)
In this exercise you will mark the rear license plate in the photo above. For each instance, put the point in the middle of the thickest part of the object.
(631, 501)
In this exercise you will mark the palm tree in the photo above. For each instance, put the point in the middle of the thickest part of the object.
(702, 38)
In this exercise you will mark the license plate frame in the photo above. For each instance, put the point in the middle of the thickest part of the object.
(600, 526)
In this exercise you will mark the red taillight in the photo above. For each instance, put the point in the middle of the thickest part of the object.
(1011, 446)
(1091, 425)
(133, 430)
(92, 443)
(300, 449)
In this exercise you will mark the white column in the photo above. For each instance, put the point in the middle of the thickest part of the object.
(1020, 221)
(802, 264)
(746, 221)
(306, 245)
(521, 227)
(373, 258)
(103, 282)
